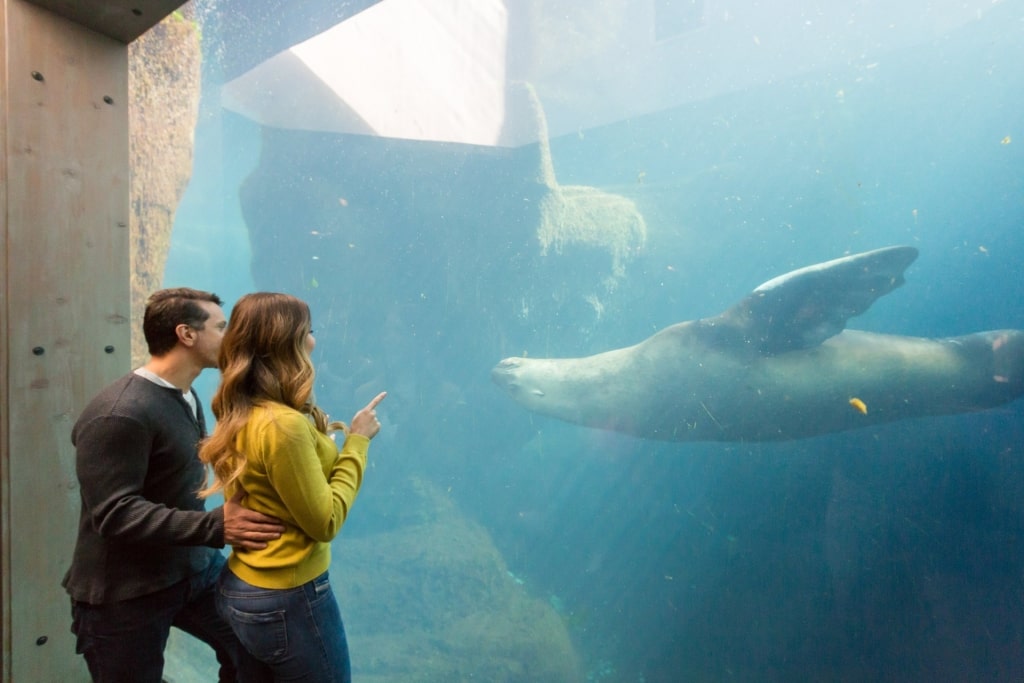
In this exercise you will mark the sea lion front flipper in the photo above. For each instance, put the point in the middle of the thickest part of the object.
(805, 307)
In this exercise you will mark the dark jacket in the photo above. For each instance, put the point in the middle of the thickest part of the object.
(142, 525)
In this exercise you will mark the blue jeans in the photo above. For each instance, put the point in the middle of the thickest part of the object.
(297, 632)
(123, 642)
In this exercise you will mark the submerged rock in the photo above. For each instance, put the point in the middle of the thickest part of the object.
(433, 600)
(163, 84)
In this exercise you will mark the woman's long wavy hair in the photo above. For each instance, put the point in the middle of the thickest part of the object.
(263, 358)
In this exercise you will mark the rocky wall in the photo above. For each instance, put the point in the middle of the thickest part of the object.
(163, 84)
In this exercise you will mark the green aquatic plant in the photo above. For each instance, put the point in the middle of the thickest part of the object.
(178, 16)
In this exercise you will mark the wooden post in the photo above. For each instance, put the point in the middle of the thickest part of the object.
(64, 306)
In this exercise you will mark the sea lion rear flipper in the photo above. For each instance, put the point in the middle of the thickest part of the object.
(805, 307)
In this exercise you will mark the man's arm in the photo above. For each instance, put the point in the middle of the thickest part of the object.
(112, 462)
(247, 528)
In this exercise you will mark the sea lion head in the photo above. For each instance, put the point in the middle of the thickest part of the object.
(509, 375)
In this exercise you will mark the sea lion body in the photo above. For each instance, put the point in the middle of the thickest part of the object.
(777, 366)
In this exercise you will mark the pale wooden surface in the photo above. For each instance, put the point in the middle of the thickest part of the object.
(65, 253)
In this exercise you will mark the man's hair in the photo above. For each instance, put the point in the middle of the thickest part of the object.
(168, 308)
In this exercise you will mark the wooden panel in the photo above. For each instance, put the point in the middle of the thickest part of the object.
(123, 20)
(5, 568)
(66, 270)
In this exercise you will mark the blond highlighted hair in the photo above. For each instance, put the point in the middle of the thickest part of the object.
(263, 358)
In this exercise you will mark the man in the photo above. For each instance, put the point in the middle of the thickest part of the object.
(146, 557)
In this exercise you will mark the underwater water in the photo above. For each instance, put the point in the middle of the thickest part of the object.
(890, 553)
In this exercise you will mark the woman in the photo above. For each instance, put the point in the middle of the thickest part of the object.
(275, 447)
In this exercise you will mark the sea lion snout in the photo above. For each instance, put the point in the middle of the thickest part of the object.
(508, 374)
(504, 373)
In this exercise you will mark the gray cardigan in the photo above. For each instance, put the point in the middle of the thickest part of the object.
(142, 526)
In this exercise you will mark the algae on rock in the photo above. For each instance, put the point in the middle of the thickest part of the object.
(580, 214)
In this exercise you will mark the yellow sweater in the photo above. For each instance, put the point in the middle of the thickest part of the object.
(296, 474)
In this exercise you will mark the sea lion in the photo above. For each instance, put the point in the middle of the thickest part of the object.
(778, 365)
